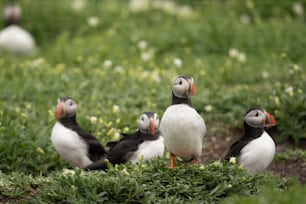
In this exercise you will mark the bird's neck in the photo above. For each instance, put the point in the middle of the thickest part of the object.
(69, 122)
(178, 100)
(252, 131)
(8, 22)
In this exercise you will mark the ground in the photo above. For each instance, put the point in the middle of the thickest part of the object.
(218, 144)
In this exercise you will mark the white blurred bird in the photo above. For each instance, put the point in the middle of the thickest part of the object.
(14, 38)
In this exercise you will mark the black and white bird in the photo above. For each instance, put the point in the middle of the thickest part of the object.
(144, 144)
(255, 150)
(181, 126)
(14, 38)
(78, 147)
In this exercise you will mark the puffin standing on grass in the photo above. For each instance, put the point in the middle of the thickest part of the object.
(13, 38)
(182, 127)
(78, 147)
(255, 150)
(145, 143)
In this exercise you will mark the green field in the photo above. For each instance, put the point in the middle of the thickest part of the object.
(118, 59)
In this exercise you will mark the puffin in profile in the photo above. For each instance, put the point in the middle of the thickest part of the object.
(146, 143)
(181, 126)
(78, 147)
(13, 38)
(255, 150)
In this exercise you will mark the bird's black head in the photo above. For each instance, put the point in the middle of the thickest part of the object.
(183, 87)
(12, 14)
(66, 108)
(148, 123)
(259, 118)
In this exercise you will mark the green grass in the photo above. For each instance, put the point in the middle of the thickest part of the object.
(73, 60)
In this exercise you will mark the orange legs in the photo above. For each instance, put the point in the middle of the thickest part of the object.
(172, 162)
(196, 162)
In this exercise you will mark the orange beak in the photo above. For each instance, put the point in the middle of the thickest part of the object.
(152, 127)
(193, 89)
(60, 110)
(271, 120)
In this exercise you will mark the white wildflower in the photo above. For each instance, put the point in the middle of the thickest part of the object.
(107, 63)
(245, 19)
(177, 62)
(232, 160)
(139, 5)
(116, 108)
(125, 172)
(265, 74)
(147, 55)
(233, 52)
(208, 108)
(289, 90)
(93, 21)
(77, 5)
(142, 45)
(93, 119)
(298, 8)
(68, 172)
(241, 57)
(276, 101)
(118, 69)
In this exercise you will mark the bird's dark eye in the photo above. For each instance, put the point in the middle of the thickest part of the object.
(142, 118)
(256, 114)
(180, 82)
(70, 104)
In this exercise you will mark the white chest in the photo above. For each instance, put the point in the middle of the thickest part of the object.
(70, 146)
(16, 40)
(258, 154)
(149, 150)
(183, 130)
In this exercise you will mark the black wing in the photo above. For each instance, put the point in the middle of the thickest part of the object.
(95, 150)
(234, 150)
(120, 152)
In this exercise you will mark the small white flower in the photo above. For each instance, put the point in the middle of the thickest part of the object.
(156, 77)
(296, 67)
(233, 52)
(116, 136)
(116, 108)
(241, 57)
(147, 55)
(276, 101)
(289, 90)
(77, 5)
(93, 119)
(265, 74)
(93, 21)
(245, 19)
(68, 172)
(107, 63)
(142, 44)
(125, 172)
(208, 108)
(298, 8)
(177, 62)
(118, 69)
(232, 160)
(139, 5)
(217, 164)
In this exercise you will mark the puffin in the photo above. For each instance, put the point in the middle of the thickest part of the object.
(144, 144)
(78, 147)
(181, 125)
(14, 38)
(255, 149)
